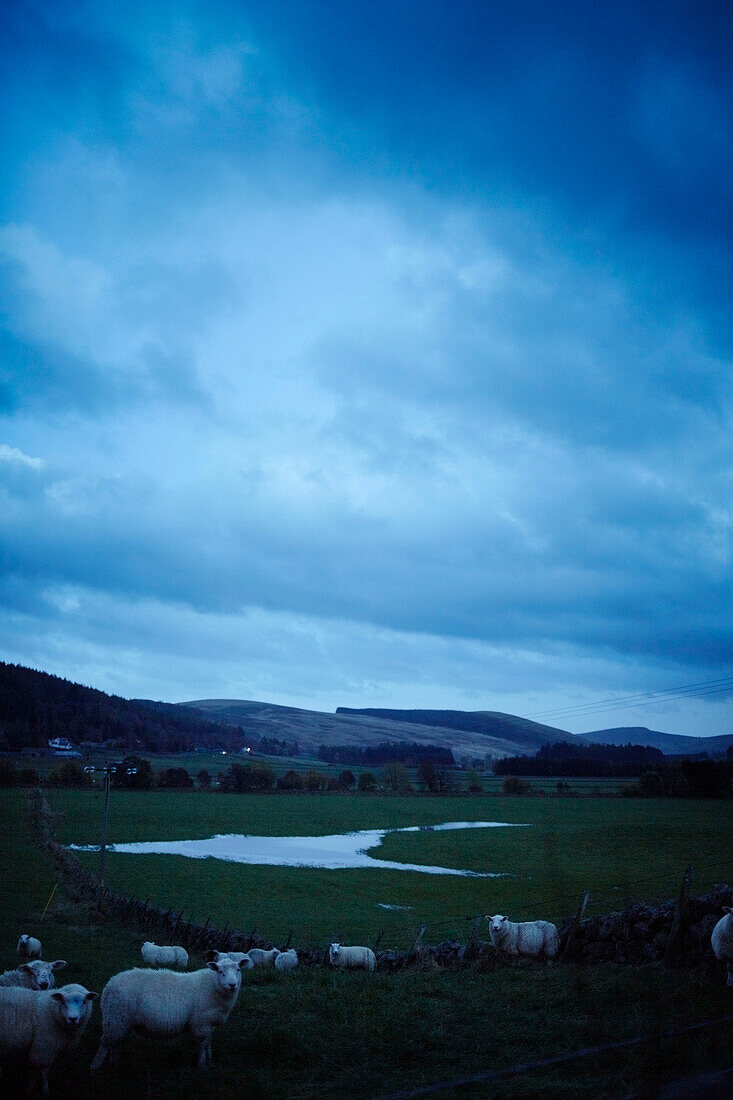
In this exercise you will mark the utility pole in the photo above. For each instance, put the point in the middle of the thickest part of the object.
(109, 770)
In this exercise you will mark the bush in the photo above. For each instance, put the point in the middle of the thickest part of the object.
(314, 781)
(650, 785)
(204, 779)
(69, 774)
(396, 777)
(290, 781)
(175, 778)
(473, 781)
(367, 781)
(135, 774)
(246, 778)
(347, 780)
(514, 785)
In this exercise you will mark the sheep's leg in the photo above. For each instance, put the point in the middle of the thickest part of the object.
(99, 1057)
(204, 1059)
(107, 1049)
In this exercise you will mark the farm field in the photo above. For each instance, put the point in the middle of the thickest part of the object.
(323, 1034)
(622, 850)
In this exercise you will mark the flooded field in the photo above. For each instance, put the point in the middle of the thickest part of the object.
(336, 852)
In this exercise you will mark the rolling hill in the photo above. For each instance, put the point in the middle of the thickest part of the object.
(474, 734)
(670, 743)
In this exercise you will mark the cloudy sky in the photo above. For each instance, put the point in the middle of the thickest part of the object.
(371, 353)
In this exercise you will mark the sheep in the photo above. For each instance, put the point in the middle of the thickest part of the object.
(33, 975)
(29, 947)
(260, 957)
(38, 1024)
(154, 955)
(240, 957)
(528, 938)
(163, 1003)
(286, 960)
(722, 941)
(353, 958)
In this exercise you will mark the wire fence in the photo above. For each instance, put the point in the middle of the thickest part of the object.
(558, 1060)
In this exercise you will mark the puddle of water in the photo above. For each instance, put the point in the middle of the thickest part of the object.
(397, 908)
(332, 853)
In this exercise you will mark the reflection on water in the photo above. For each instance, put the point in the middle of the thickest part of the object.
(332, 853)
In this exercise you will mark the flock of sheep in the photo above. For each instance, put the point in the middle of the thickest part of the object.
(37, 1022)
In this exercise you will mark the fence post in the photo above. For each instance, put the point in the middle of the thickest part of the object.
(418, 940)
(288, 941)
(574, 926)
(466, 950)
(251, 937)
(675, 932)
(377, 942)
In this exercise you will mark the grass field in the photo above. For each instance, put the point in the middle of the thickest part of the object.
(620, 850)
(322, 1034)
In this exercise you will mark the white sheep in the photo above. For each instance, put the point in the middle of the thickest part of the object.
(240, 957)
(29, 947)
(261, 957)
(154, 955)
(353, 958)
(33, 975)
(163, 1003)
(38, 1024)
(287, 960)
(528, 938)
(722, 941)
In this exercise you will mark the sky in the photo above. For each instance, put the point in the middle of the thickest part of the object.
(371, 354)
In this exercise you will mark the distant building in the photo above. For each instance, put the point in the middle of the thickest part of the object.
(61, 746)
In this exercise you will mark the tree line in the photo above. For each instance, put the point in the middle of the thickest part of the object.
(409, 753)
(563, 759)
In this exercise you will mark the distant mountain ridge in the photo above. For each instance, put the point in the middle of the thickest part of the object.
(311, 728)
(38, 706)
(488, 723)
(670, 743)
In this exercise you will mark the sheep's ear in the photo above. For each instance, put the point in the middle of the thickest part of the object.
(57, 996)
(58, 964)
(245, 963)
(211, 955)
(26, 967)
(90, 996)
(213, 966)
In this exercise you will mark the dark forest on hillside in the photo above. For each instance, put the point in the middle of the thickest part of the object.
(561, 758)
(36, 707)
(404, 752)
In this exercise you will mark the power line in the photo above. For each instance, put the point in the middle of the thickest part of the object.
(704, 687)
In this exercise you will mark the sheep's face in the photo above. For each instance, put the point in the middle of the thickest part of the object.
(334, 950)
(497, 923)
(228, 972)
(41, 973)
(74, 1004)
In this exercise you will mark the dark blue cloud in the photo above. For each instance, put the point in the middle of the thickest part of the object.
(399, 318)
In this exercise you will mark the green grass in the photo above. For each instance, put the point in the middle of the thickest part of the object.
(621, 850)
(317, 1033)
